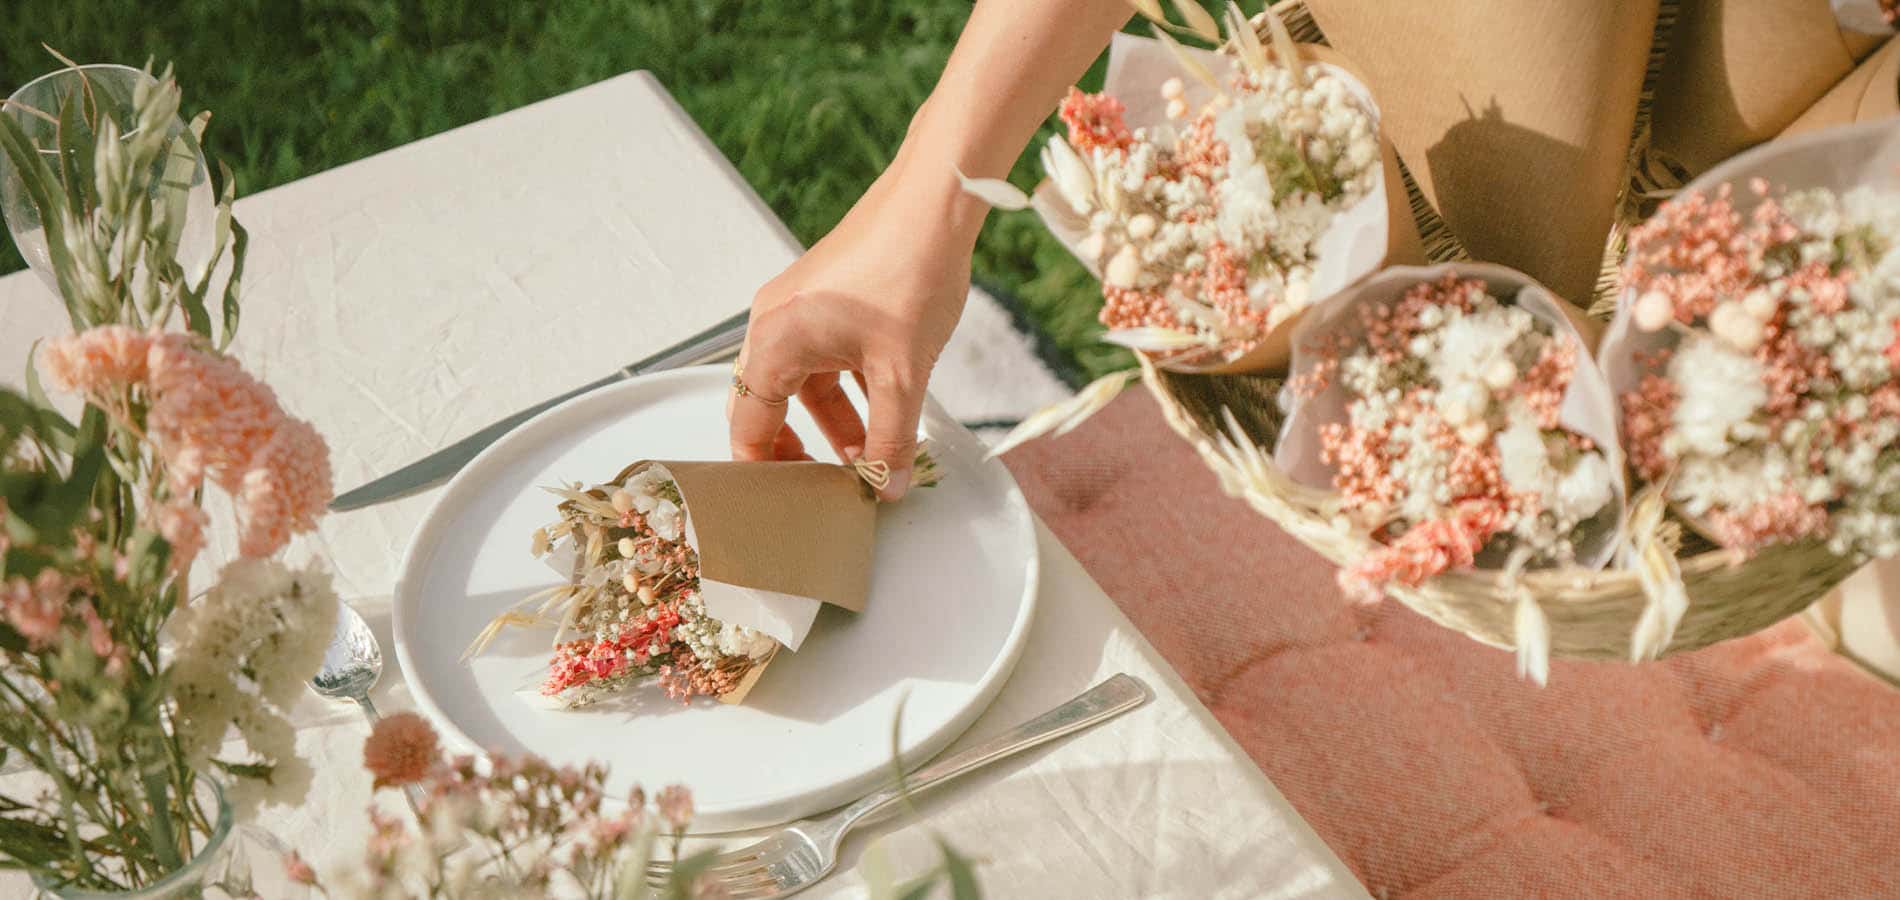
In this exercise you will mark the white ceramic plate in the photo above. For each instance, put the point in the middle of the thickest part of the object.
(953, 590)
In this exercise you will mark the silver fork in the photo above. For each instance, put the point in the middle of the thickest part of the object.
(805, 852)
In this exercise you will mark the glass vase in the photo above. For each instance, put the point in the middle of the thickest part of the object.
(233, 862)
(36, 108)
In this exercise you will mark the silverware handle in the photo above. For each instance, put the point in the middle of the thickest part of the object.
(1105, 701)
(721, 341)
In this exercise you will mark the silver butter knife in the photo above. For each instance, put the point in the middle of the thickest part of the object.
(720, 342)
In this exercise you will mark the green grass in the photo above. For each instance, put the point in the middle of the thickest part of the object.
(809, 100)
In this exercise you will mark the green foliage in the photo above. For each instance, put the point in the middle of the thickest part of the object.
(808, 100)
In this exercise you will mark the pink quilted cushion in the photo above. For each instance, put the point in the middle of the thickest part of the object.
(1765, 766)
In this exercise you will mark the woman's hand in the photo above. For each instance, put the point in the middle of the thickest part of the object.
(878, 298)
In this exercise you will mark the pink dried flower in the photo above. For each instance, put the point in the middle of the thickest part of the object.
(1543, 387)
(37, 609)
(1695, 251)
(1199, 154)
(285, 490)
(401, 749)
(1135, 308)
(675, 803)
(580, 662)
(1426, 549)
(97, 362)
(208, 416)
(298, 870)
(387, 837)
(1095, 120)
(1782, 518)
(182, 524)
(1224, 286)
(98, 636)
(1648, 413)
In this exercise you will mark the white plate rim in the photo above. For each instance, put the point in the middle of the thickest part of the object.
(918, 751)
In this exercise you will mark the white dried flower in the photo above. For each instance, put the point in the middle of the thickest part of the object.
(1071, 174)
(1721, 390)
(241, 656)
(665, 520)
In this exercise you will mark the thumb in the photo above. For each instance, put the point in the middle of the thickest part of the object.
(896, 403)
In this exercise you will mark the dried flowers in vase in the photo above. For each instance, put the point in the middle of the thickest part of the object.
(118, 688)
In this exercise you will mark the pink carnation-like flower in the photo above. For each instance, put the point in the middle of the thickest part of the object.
(96, 361)
(285, 490)
(208, 416)
(1095, 120)
(401, 749)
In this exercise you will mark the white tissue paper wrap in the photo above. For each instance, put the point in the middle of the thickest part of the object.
(1589, 407)
(1863, 16)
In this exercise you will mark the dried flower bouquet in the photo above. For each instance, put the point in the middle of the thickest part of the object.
(1454, 418)
(1219, 206)
(635, 605)
(118, 686)
(1760, 374)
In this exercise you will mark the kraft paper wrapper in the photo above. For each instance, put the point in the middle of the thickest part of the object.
(1870, 93)
(1836, 158)
(1375, 232)
(1738, 72)
(1514, 118)
(776, 539)
(1589, 406)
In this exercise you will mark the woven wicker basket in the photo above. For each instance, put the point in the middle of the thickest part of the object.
(1591, 614)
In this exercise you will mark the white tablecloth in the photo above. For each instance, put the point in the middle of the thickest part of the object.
(405, 300)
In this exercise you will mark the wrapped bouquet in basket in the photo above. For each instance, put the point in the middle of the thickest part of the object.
(1453, 443)
(697, 573)
(1218, 196)
(1756, 350)
(1457, 413)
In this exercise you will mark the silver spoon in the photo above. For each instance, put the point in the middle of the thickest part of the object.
(352, 664)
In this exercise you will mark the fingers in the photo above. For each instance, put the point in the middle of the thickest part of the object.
(835, 415)
(757, 420)
(788, 446)
(897, 401)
